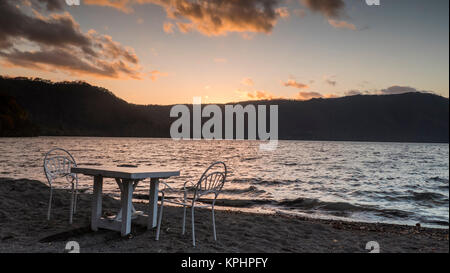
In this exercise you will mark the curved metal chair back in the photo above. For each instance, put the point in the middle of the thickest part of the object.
(211, 181)
(57, 163)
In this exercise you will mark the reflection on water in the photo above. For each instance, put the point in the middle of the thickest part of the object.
(387, 182)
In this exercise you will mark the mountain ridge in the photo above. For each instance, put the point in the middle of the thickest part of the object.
(80, 109)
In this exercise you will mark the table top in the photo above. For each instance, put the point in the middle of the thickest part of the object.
(126, 173)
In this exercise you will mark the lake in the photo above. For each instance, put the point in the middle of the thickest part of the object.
(403, 183)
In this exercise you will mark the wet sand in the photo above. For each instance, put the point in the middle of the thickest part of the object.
(24, 228)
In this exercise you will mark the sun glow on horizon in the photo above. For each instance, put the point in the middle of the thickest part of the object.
(288, 50)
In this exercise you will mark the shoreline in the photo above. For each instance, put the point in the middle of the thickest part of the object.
(287, 139)
(24, 228)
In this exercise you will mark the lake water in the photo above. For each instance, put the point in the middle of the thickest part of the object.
(401, 183)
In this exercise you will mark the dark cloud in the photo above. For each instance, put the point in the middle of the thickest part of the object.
(329, 8)
(392, 90)
(355, 92)
(331, 82)
(213, 17)
(55, 30)
(51, 5)
(57, 42)
(400, 90)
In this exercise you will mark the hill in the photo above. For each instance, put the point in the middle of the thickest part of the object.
(79, 109)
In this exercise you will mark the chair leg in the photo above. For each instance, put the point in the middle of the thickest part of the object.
(214, 224)
(160, 217)
(184, 219)
(76, 197)
(71, 205)
(50, 204)
(193, 228)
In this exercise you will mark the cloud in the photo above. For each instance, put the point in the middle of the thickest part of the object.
(55, 41)
(282, 12)
(354, 93)
(212, 18)
(330, 96)
(293, 83)
(257, 95)
(168, 27)
(328, 8)
(122, 5)
(247, 82)
(400, 90)
(341, 24)
(307, 95)
(331, 9)
(392, 90)
(155, 74)
(300, 12)
(330, 80)
(51, 5)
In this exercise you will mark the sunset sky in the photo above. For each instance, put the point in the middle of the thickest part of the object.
(168, 51)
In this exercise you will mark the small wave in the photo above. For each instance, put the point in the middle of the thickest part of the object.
(439, 179)
(89, 164)
(127, 166)
(249, 158)
(435, 222)
(428, 196)
(251, 189)
(262, 182)
(340, 208)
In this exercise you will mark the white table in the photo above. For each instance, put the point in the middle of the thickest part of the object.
(127, 179)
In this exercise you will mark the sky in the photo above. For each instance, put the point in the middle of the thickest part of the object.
(169, 51)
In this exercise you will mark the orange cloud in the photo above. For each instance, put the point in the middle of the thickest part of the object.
(260, 95)
(307, 95)
(341, 24)
(168, 27)
(122, 5)
(247, 82)
(282, 12)
(212, 18)
(155, 74)
(293, 83)
(256, 95)
(330, 96)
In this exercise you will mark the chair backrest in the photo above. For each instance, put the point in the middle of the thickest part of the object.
(57, 163)
(212, 180)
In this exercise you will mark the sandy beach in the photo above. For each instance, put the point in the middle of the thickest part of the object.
(24, 228)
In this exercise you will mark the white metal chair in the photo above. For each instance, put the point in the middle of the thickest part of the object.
(211, 182)
(57, 164)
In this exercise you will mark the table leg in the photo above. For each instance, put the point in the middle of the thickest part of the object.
(133, 209)
(96, 202)
(127, 198)
(153, 203)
